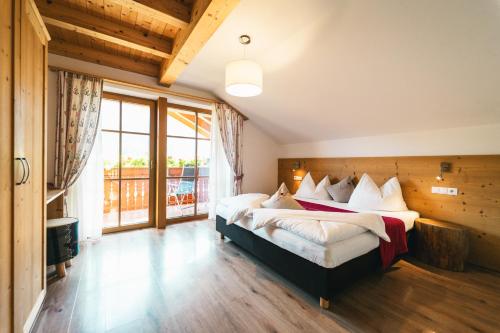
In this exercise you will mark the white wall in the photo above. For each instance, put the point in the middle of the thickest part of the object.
(260, 160)
(478, 140)
(118, 74)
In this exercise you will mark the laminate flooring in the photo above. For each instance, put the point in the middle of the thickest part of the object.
(185, 279)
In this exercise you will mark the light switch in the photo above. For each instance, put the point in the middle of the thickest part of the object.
(297, 177)
(444, 190)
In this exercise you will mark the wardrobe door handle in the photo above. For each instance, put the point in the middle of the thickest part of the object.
(24, 170)
(29, 169)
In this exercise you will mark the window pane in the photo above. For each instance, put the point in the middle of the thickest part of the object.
(180, 197)
(181, 123)
(204, 124)
(135, 156)
(110, 114)
(111, 154)
(135, 201)
(180, 157)
(203, 157)
(110, 203)
(135, 117)
(202, 195)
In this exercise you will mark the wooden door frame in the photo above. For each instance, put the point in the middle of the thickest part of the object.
(152, 156)
(163, 219)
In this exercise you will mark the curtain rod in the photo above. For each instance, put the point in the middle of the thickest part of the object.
(165, 91)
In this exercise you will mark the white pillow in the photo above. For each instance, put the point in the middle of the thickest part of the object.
(309, 190)
(285, 201)
(388, 197)
(282, 190)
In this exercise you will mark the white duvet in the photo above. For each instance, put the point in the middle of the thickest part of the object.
(322, 228)
(242, 205)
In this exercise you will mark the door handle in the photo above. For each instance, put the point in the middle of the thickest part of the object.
(29, 169)
(24, 170)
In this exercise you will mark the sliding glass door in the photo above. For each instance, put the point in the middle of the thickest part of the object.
(188, 156)
(128, 155)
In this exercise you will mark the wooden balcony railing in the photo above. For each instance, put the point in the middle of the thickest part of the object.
(135, 192)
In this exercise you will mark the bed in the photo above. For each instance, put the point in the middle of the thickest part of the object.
(320, 270)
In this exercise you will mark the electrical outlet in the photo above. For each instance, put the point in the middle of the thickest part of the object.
(452, 191)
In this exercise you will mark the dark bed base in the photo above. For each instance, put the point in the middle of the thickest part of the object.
(314, 279)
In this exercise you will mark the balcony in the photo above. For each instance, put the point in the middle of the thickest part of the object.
(135, 201)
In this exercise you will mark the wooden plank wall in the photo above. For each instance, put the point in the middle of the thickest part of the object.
(477, 178)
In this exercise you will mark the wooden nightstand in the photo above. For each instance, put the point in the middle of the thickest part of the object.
(441, 244)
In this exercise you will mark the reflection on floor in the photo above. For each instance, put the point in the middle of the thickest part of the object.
(141, 215)
(186, 279)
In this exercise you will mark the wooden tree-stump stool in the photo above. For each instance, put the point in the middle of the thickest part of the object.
(441, 244)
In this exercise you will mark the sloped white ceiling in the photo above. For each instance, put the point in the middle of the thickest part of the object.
(339, 69)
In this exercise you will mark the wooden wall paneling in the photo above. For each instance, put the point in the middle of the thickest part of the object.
(477, 178)
(161, 178)
(6, 164)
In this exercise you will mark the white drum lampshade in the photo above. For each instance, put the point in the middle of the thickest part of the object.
(243, 78)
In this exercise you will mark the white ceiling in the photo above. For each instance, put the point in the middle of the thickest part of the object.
(338, 68)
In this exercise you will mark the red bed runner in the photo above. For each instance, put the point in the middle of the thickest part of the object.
(395, 229)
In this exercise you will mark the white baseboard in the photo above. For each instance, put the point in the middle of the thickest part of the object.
(28, 325)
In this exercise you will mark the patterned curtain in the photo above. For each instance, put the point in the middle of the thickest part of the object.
(231, 130)
(78, 108)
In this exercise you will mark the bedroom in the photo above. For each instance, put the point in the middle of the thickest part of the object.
(225, 165)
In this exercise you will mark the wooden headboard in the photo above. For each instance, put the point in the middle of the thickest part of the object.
(477, 205)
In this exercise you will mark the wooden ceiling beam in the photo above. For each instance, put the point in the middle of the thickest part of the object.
(70, 19)
(107, 38)
(102, 58)
(207, 16)
(171, 12)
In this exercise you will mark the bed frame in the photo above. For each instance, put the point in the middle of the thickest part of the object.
(317, 280)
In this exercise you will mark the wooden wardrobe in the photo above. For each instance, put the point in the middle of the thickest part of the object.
(24, 42)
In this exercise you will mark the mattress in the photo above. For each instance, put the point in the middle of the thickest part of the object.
(329, 256)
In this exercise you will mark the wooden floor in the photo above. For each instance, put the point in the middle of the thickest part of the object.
(185, 279)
